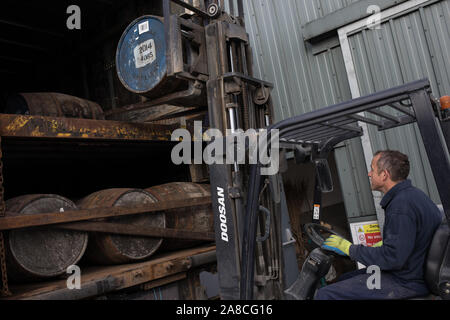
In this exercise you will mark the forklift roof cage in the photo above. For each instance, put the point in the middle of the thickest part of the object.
(325, 128)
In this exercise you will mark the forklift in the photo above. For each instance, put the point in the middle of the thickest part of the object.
(411, 103)
(208, 57)
(265, 267)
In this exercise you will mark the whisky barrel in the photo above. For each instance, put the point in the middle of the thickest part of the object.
(41, 252)
(108, 249)
(198, 218)
(53, 105)
(141, 59)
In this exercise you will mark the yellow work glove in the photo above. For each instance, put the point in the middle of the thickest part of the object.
(338, 245)
(378, 244)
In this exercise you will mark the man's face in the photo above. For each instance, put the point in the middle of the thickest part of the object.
(377, 178)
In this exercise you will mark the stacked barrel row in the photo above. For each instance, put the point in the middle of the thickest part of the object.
(45, 252)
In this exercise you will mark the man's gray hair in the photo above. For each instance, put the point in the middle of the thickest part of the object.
(395, 162)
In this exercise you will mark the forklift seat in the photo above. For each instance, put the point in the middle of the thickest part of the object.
(437, 268)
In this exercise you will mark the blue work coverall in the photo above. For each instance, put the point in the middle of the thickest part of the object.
(411, 220)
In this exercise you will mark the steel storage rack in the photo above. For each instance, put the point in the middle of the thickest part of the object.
(39, 131)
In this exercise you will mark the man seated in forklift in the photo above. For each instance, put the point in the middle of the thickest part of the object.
(411, 220)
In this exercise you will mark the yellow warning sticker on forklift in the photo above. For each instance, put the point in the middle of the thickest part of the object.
(366, 233)
(371, 228)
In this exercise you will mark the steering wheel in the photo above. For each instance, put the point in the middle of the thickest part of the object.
(312, 230)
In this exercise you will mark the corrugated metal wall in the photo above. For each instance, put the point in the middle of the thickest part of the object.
(303, 81)
(282, 56)
(308, 77)
(406, 48)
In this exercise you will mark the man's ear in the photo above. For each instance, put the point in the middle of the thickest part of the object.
(387, 175)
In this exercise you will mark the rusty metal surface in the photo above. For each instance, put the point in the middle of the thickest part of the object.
(96, 281)
(21, 126)
(18, 222)
(53, 105)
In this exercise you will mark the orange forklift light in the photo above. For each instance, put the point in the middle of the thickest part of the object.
(445, 102)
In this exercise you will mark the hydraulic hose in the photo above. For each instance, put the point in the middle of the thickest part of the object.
(249, 238)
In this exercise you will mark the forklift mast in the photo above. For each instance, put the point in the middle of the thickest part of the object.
(237, 103)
